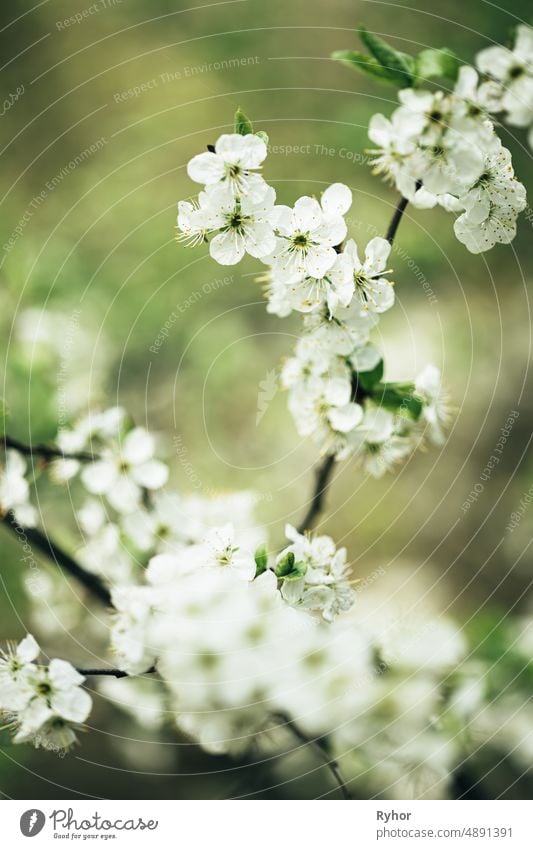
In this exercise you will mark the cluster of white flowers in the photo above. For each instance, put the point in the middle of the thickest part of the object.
(509, 87)
(226, 641)
(43, 704)
(312, 269)
(314, 574)
(441, 148)
(15, 490)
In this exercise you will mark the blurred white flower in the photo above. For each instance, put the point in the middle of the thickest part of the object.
(513, 70)
(15, 490)
(318, 580)
(122, 474)
(436, 409)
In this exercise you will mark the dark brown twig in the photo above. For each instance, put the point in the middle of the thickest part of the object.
(323, 476)
(54, 552)
(114, 673)
(318, 746)
(325, 470)
(48, 452)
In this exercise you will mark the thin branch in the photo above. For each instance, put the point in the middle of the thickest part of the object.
(325, 470)
(323, 476)
(318, 746)
(395, 220)
(398, 215)
(55, 553)
(48, 452)
(113, 673)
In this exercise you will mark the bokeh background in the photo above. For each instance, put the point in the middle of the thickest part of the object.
(129, 94)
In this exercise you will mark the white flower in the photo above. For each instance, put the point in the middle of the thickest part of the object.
(374, 291)
(365, 358)
(233, 165)
(491, 204)
(15, 490)
(305, 294)
(308, 233)
(129, 637)
(496, 186)
(376, 443)
(222, 548)
(323, 585)
(396, 143)
(58, 702)
(478, 236)
(121, 475)
(51, 699)
(91, 433)
(435, 410)
(322, 406)
(243, 226)
(513, 69)
(15, 665)
(163, 527)
(194, 220)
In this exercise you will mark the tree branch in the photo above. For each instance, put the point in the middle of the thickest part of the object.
(55, 553)
(398, 215)
(114, 673)
(318, 746)
(325, 470)
(323, 475)
(48, 452)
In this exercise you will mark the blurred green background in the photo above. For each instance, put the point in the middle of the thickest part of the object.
(130, 93)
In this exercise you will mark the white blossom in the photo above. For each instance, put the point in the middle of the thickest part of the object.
(436, 410)
(123, 473)
(233, 165)
(513, 70)
(308, 234)
(323, 584)
(15, 489)
(374, 291)
(42, 702)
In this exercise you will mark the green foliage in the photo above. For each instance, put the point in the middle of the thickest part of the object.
(288, 570)
(400, 66)
(368, 379)
(242, 124)
(399, 398)
(437, 63)
(366, 64)
(392, 67)
(494, 638)
(261, 560)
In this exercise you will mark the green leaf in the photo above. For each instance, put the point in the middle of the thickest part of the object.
(261, 560)
(285, 565)
(298, 572)
(288, 570)
(395, 397)
(367, 379)
(243, 125)
(400, 66)
(366, 64)
(437, 63)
